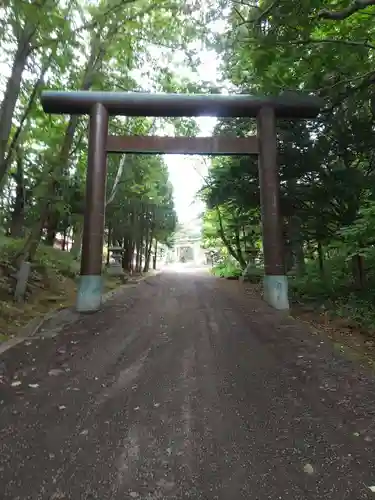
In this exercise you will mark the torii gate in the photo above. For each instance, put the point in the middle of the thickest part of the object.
(100, 105)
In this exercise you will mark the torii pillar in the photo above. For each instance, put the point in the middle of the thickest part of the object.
(101, 105)
(275, 281)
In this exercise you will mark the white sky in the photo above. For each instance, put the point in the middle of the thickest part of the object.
(187, 172)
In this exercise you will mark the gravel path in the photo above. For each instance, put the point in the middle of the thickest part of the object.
(185, 387)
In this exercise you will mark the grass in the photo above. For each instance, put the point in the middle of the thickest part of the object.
(52, 285)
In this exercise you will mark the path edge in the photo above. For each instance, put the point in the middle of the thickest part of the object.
(31, 329)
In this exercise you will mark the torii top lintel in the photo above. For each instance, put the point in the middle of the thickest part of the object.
(287, 105)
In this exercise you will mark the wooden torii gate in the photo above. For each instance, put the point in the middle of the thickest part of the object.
(100, 105)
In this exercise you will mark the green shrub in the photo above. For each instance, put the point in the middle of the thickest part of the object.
(335, 290)
(227, 269)
(254, 274)
(47, 258)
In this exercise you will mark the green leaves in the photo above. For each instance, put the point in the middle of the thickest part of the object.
(110, 45)
(326, 167)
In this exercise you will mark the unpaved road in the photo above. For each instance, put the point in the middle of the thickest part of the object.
(185, 387)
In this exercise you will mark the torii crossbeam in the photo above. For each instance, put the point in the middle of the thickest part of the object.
(101, 105)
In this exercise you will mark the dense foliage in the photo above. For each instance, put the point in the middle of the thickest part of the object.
(327, 165)
(127, 45)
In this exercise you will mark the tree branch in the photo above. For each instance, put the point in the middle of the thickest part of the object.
(340, 15)
(266, 11)
(352, 43)
(223, 237)
(38, 84)
(367, 80)
(117, 179)
(258, 18)
(308, 41)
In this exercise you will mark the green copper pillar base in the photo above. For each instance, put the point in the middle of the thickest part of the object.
(276, 292)
(89, 295)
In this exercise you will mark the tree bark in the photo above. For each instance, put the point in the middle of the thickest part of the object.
(31, 245)
(296, 240)
(320, 258)
(12, 91)
(241, 259)
(63, 246)
(17, 222)
(155, 255)
(52, 225)
(77, 238)
(358, 270)
(148, 254)
(60, 168)
(225, 240)
(132, 252)
(109, 239)
(15, 139)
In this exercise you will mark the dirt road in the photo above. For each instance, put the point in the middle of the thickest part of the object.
(185, 387)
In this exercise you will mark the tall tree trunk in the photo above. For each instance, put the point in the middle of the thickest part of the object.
(155, 255)
(148, 254)
(12, 91)
(126, 255)
(146, 242)
(139, 259)
(63, 246)
(132, 257)
(358, 269)
(31, 245)
(320, 258)
(26, 113)
(50, 237)
(77, 237)
(139, 240)
(224, 239)
(294, 231)
(300, 258)
(240, 257)
(52, 224)
(109, 239)
(17, 222)
(60, 167)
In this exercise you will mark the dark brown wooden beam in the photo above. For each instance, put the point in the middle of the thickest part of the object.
(183, 145)
(89, 296)
(286, 105)
(270, 194)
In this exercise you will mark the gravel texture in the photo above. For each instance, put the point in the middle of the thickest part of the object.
(185, 387)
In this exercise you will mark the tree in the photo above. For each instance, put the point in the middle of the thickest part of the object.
(115, 44)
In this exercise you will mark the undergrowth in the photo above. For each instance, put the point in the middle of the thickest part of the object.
(227, 269)
(47, 258)
(332, 291)
(51, 285)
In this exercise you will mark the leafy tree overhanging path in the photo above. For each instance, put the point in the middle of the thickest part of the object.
(100, 105)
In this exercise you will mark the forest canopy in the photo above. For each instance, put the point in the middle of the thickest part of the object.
(125, 45)
(326, 166)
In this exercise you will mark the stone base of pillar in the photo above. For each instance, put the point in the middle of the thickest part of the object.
(275, 290)
(89, 294)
